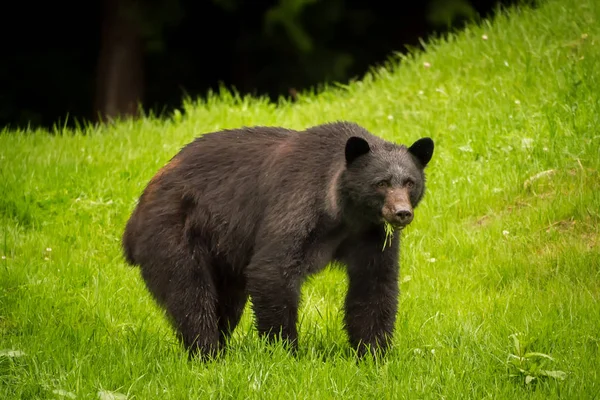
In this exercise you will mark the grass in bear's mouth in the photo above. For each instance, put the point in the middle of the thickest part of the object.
(499, 246)
(389, 234)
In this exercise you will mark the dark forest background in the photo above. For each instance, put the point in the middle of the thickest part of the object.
(98, 59)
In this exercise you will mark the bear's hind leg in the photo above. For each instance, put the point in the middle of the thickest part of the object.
(274, 286)
(191, 302)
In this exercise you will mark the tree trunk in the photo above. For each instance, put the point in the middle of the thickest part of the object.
(120, 80)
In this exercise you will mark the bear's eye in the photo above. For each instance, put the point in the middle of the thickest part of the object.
(409, 184)
(382, 184)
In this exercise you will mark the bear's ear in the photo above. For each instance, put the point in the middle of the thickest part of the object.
(356, 147)
(422, 149)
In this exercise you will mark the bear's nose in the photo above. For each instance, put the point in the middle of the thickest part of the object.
(404, 215)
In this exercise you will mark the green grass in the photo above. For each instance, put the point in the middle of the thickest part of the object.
(498, 247)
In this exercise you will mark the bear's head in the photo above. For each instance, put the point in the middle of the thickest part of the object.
(383, 181)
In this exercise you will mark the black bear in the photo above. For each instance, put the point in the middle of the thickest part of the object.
(252, 212)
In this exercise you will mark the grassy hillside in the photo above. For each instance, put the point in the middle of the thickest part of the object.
(502, 260)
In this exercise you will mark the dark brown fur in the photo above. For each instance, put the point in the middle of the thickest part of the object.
(254, 211)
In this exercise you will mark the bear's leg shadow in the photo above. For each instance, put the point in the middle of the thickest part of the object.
(231, 300)
(274, 282)
(372, 299)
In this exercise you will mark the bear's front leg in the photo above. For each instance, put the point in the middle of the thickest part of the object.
(273, 282)
(372, 299)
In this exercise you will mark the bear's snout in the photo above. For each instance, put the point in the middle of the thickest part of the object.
(398, 214)
(404, 215)
(397, 209)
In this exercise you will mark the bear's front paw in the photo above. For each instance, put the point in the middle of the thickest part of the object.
(375, 348)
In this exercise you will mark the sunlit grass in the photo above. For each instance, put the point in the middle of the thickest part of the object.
(506, 241)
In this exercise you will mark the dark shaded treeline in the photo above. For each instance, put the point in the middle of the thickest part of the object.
(59, 58)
